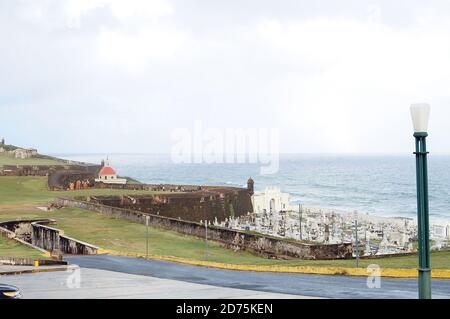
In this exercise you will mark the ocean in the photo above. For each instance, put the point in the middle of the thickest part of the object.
(378, 185)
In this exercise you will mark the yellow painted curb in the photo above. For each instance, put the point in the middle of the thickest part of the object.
(34, 270)
(47, 254)
(343, 271)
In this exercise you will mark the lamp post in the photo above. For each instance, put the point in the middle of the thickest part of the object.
(206, 239)
(356, 243)
(356, 239)
(420, 114)
(300, 212)
(147, 218)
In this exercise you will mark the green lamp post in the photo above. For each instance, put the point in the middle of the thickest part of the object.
(420, 114)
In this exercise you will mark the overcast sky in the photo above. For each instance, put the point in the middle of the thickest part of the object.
(121, 75)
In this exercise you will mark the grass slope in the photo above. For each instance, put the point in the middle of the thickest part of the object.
(16, 193)
(125, 236)
(11, 248)
(29, 190)
(8, 159)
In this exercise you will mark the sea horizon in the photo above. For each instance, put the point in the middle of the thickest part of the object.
(379, 185)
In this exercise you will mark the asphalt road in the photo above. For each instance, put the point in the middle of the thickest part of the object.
(85, 283)
(296, 284)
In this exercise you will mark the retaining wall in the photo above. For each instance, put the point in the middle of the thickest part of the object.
(8, 228)
(257, 243)
(36, 234)
(43, 170)
(13, 261)
(207, 204)
(53, 240)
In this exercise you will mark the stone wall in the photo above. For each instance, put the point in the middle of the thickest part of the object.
(53, 240)
(154, 187)
(61, 179)
(36, 234)
(256, 243)
(7, 229)
(43, 170)
(13, 261)
(206, 204)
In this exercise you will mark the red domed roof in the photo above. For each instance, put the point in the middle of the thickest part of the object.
(107, 170)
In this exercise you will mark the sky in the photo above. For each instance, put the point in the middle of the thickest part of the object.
(119, 76)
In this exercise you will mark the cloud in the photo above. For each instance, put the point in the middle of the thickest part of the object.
(135, 51)
(365, 73)
(122, 10)
(332, 77)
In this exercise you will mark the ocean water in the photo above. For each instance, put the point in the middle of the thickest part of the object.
(379, 185)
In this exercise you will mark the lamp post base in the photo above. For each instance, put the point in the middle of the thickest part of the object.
(423, 233)
(424, 283)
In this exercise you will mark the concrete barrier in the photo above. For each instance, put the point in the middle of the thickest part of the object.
(54, 240)
(13, 261)
(48, 240)
(6, 232)
(263, 245)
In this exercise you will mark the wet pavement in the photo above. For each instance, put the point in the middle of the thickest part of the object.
(296, 284)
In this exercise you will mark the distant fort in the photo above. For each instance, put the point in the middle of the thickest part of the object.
(187, 209)
(186, 202)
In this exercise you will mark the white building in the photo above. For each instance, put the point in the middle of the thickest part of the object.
(271, 200)
(108, 175)
(438, 232)
(24, 153)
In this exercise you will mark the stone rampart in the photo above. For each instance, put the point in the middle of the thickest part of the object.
(257, 243)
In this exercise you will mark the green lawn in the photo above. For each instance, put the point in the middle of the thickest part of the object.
(29, 190)
(8, 159)
(11, 248)
(125, 236)
(16, 193)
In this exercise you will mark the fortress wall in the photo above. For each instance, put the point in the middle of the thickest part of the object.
(61, 179)
(44, 170)
(153, 187)
(194, 206)
(256, 243)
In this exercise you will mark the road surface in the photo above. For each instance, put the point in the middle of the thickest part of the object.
(295, 284)
(84, 283)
